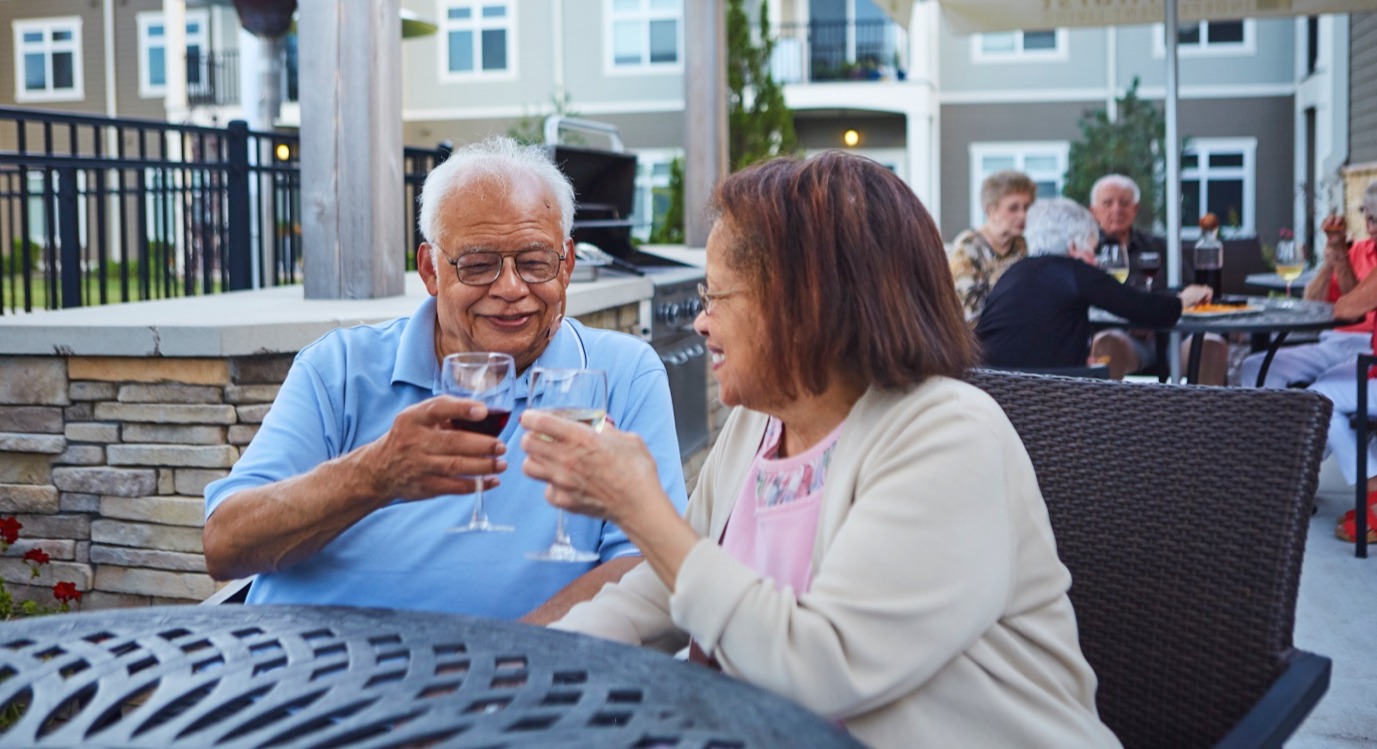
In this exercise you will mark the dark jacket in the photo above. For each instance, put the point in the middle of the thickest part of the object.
(1038, 313)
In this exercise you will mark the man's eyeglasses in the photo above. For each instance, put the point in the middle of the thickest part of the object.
(481, 267)
(711, 298)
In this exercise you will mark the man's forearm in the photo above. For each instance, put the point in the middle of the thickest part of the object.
(581, 589)
(271, 527)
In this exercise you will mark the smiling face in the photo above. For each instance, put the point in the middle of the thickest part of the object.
(1114, 209)
(509, 315)
(732, 331)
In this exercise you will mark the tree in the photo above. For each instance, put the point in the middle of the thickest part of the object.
(530, 130)
(669, 228)
(1130, 145)
(760, 125)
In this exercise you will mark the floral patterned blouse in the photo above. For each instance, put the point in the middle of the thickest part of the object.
(976, 267)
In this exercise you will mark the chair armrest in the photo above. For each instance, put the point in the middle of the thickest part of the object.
(1284, 707)
(234, 591)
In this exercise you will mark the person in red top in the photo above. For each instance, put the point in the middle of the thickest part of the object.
(1344, 265)
(1339, 382)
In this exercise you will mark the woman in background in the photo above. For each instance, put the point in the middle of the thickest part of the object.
(980, 256)
(867, 536)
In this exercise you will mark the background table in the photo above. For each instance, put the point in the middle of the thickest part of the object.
(1269, 327)
(301, 676)
(1273, 281)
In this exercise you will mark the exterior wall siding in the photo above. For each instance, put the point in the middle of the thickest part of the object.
(92, 51)
(1362, 82)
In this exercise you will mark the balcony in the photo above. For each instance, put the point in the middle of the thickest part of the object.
(212, 78)
(839, 51)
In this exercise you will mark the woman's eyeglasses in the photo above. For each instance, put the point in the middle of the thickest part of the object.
(711, 298)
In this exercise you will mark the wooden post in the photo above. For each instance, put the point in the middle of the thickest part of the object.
(705, 110)
(351, 148)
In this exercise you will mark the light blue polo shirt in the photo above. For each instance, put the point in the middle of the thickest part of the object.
(344, 390)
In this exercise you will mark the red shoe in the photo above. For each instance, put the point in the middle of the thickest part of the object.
(1347, 529)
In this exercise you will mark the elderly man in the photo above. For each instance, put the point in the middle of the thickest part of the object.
(1345, 264)
(1114, 202)
(1037, 316)
(345, 494)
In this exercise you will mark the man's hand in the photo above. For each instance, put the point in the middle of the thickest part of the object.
(1195, 294)
(1336, 239)
(424, 455)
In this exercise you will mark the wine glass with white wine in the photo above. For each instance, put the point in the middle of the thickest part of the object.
(578, 395)
(1290, 263)
(1114, 261)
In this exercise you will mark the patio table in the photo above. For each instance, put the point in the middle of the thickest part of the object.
(1273, 282)
(304, 676)
(1269, 326)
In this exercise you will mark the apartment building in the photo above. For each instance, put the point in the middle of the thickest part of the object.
(1014, 100)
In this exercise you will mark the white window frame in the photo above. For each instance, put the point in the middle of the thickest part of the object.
(148, 19)
(1202, 148)
(1060, 53)
(47, 47)
(644, 16)
(1020, 151)
(647, 182)
(477, 24)
(1245, 48)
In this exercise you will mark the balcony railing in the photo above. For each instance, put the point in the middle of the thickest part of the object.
(212, 78)
(821, 51)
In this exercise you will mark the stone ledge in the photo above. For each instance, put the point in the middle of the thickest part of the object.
(146, 535)
(138, 581)
(121, 482)
(164, 510)
(175, 434)
(170, 393)
(143, 368)
(165, 414)
(152, 558)
(208, 456)
(46, 444)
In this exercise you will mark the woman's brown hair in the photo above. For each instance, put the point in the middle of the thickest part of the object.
(850, 271)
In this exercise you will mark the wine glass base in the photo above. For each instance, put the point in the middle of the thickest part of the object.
(1283, 303)
(561, 553)
(482, 526)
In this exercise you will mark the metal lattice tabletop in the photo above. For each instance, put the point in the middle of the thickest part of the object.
(302, 676)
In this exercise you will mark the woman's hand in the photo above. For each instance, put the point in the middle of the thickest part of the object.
(1195, 294)
(607, 475)
(1335, 229)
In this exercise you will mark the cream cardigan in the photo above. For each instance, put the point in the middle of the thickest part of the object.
(938, 613)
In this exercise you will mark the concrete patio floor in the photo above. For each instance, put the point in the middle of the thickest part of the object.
(1336, 616)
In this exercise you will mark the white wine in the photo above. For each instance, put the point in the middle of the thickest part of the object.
(1290, 272)
(1119, 274)
(593, 417)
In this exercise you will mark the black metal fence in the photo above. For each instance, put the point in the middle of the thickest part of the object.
(96, 210)
(821, 51)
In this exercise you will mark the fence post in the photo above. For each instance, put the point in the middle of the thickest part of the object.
(237, 256)
(69, 234)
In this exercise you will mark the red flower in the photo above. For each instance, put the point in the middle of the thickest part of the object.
(9, 529)
(1285, 233)
(37, 556)
(65, 591)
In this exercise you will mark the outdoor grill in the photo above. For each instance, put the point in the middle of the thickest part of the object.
(604, 190)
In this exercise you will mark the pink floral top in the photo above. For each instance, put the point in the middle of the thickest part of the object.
(775, 520)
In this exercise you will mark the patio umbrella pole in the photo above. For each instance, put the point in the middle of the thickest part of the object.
(1173, 201)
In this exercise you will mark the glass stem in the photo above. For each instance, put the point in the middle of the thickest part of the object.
(478, 516)
(561, 538)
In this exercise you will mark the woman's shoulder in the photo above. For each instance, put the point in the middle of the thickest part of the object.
(937, 398)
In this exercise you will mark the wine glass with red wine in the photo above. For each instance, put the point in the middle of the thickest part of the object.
(490, 379)
(1149, 264)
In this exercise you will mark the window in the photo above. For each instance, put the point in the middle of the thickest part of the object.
(652, 190)
(1021, 46)
(1208, 38)
(47, 60)
(153, 51)
(1218, 176)
(478, 39)
(1044, 162)
(645, 34)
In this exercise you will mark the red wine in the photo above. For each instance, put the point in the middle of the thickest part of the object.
(492, 426)
(1211, 277)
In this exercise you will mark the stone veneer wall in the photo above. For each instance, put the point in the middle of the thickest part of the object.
(103, 459)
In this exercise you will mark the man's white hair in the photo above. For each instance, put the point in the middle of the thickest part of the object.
(1055, 224)
(1370, 198)
(496, 158)
(1115, 180)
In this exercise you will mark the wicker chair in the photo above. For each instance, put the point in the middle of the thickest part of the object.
(1182, 515)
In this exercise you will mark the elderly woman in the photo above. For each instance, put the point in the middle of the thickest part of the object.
(1038, 316)
(980, 256)
(867, 536)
